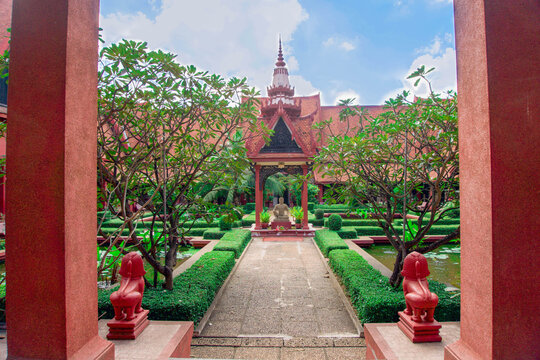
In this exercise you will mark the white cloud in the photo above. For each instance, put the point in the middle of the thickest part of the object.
(347, 46)
(347, 94)
(443, 78)
(443, 1)
(329, 42)
(232, 38)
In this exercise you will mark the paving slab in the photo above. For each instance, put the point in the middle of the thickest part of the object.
(280, 289)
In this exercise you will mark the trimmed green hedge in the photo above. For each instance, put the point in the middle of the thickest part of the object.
(335, 222)
(249, 208)
(213, 234)
(235, 241)
(369, 231)
(399, 222)
(317, 222)
(372, 296)
(442, 229)
(196, 231)
(193, 292)
(328, 240)
(325, 207)
(358, 222)
(347, 233)
(311, 206)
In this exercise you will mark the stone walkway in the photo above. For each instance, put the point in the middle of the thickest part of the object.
(280, 304)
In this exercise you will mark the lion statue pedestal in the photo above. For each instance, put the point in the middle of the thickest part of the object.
(417, 321)
(130, 319)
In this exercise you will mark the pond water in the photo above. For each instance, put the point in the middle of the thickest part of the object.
(444, 262)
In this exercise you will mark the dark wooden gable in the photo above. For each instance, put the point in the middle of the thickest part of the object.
(281, 141)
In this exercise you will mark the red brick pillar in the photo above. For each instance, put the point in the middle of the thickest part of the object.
(499, 86)
(258, 198)
(321, 193)
(51, 195)
(305, 198)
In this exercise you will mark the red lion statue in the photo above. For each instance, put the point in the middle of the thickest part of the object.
(128, 298)
(420, 301)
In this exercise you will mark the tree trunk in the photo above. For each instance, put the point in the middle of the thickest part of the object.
(396, 278)
(170, 262)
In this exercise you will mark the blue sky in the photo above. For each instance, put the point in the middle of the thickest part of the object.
(341, 48)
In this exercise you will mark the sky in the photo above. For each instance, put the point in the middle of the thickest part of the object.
(362, 49)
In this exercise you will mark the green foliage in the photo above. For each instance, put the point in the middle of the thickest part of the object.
(170, 139)
(249, 208)
(225, 223)
(328, 240)
(334, 222)
(319, 213)
(311, 206)
(369, 231)
(317, 222)
(389, 158)
(194, 291)
(213, 234)
(235, 241)
(347, 233)
(372, 296)
(265, 217)
(358, 222)
(298, 213)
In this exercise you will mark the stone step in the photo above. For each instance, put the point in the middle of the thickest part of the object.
(297, 342)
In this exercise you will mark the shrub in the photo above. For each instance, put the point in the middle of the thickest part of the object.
(265, 217)
(310, 206)
(347, 233)
(399, 222)
(225, 223)
(196, 232)
(193, 291)
(317, 222)
(235, 241)
(369, 231)
(319, 213)
(334, 222)
(359, 222)
(328, 240)
(298, 213)
(213, 234)
(249, 208)
(372, 296)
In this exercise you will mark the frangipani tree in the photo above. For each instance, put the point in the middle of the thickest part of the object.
(385, 160)
(163, 130)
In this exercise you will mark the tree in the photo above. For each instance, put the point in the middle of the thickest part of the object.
(388, 160)
(164, 129)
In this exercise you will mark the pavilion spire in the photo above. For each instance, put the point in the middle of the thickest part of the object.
(280, 82)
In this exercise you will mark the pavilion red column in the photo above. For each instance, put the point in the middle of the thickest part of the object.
(51, 195)
(321, 193)
(258, 197)
(498, 85)
(305, 198)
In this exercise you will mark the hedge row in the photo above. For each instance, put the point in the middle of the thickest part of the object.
(193, 291)
(317, 222)
(213, 234)
(357, 222)
(372, 296)
(328, 240)
(369, 231)
(235, 241)
(399, 222)
(347, 233)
